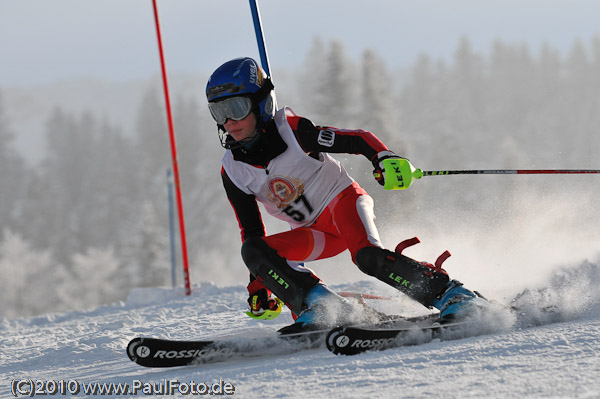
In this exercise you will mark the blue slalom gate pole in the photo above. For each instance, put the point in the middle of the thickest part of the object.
(260, 41)
(260, 37)
(172, 227)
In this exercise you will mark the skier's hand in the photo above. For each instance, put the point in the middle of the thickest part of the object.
(261, 301)
(379, 171)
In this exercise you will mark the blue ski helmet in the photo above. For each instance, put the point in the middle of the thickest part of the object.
(243, 77)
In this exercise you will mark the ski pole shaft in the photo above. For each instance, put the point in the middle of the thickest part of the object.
(400, 174)
(510, 172)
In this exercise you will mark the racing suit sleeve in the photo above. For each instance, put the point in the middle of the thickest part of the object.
(248, 217)
(245, 208)
(315, 139)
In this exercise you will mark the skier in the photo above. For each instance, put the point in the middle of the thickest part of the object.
(282, 160)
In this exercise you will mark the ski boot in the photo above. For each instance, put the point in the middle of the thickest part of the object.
(457, 303)
(326, 309)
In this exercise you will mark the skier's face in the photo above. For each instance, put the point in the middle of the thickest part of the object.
(242, 129)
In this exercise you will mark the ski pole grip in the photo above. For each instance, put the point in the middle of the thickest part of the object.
(268, 314)
(399, 173)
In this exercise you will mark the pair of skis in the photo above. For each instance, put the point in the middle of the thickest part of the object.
(154, 352)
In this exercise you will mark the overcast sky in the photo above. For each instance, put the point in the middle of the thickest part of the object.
(44, 41)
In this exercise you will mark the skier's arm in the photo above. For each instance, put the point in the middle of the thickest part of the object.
(250, 222)
(315, 139)
(245, 208)
(334, 140)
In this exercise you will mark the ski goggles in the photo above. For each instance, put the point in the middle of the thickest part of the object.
(235, 108)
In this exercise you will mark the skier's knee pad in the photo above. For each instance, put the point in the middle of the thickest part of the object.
(288, 283)
(419, 281)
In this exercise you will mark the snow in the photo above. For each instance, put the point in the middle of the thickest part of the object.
(557, 360)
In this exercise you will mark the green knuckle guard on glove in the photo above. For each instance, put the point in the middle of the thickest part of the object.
(394, 172)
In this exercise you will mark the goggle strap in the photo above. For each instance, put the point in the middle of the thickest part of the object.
(264, 90)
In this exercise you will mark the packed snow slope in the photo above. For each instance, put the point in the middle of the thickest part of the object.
(556, 357)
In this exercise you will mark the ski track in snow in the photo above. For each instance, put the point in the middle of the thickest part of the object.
(558, 360)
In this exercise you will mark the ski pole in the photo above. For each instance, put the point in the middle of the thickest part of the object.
(509, 172)
(400, 173)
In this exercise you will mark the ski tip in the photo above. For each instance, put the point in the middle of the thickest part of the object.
(336, 340)
(136, 350)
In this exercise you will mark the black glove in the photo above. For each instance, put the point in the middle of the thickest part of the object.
(260, 301)
(379, 171)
